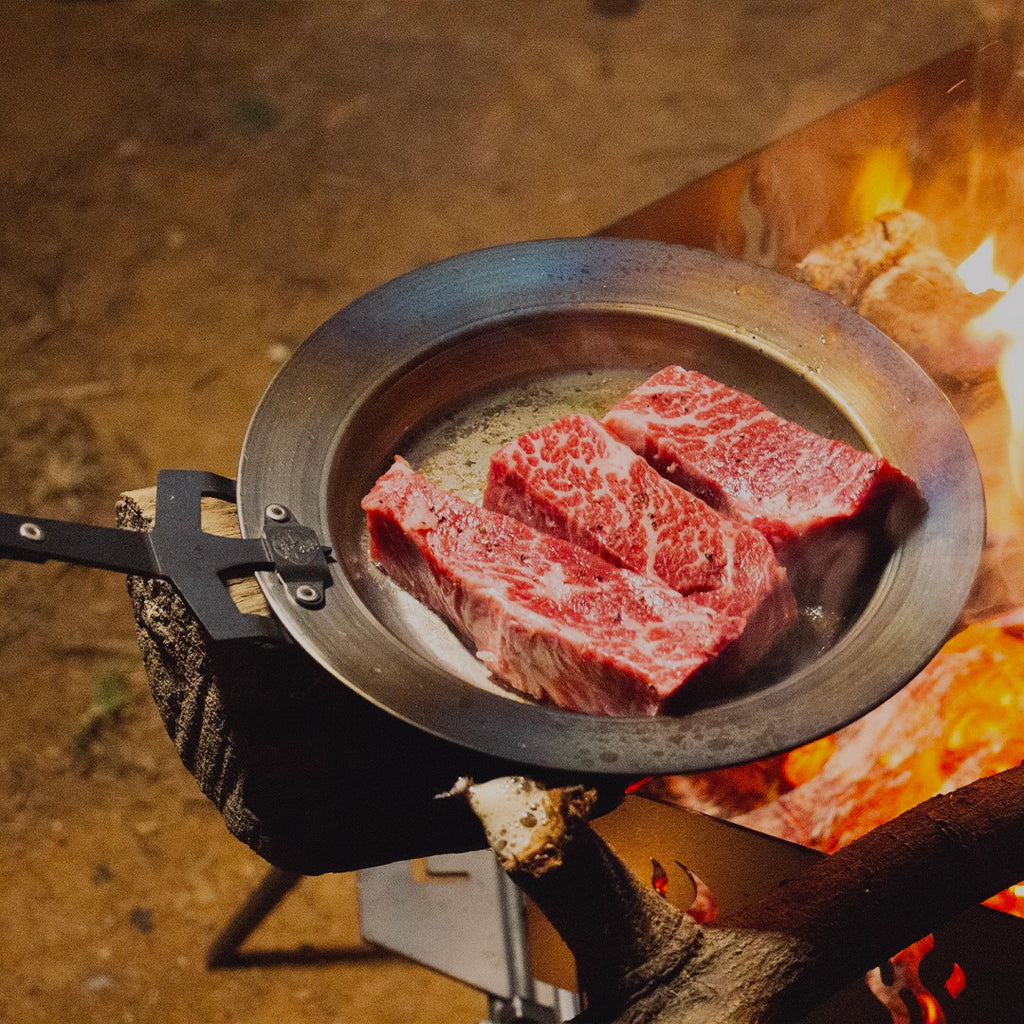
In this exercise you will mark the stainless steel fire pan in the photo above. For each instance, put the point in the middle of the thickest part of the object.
(447, 362)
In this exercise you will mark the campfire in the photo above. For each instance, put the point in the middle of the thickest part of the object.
(921, 244)
(962, 717)
(931, 255)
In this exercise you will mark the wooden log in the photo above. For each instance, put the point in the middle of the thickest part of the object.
(895, 885)
(924, 306)
(845, 266)
(642, 962)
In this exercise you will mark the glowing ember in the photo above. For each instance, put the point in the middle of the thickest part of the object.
(978, 271)
(802, 764)
(883, 184)
(956, 982)
(906, 984)
(1005, 321)
(704, 908)
(960, 719)
(1010, 901)
(659, 878)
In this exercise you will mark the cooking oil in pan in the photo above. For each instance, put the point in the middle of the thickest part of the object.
(454, 450)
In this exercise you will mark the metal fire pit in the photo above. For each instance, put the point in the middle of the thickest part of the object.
(734, 212)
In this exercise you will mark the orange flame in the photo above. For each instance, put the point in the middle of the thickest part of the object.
(1004, 322)
(659, 878)
(957, 981)
(704, 908)
(906, 984)
(1009, 901)
(635, 787)
(883, 184)
(931, 1012)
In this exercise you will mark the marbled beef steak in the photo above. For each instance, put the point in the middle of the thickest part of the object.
(548, 617)
(754, 466)
(575, 480)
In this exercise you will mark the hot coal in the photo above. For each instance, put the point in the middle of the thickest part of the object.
(958, 720)
(551, 619)
(573, 479)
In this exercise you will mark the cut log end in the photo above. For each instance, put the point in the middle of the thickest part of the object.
(527, 825)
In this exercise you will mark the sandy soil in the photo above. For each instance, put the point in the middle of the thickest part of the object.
(186, 191)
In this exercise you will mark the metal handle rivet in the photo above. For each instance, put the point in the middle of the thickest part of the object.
(31, 531)
(306, 594)
(278, 513)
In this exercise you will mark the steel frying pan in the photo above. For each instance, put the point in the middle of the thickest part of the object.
(448, 362)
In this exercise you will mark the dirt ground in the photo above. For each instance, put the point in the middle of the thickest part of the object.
(186, 191)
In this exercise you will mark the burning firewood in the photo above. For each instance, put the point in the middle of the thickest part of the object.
(846, 266)
(923, 305)
(959, 719)
(891, 271)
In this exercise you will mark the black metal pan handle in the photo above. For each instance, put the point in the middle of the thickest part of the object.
(101, 547)
(178, 550)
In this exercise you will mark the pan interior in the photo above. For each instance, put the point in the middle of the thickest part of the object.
(447, 362)
(448, 412)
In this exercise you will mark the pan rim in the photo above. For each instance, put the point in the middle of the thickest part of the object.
(434, 305)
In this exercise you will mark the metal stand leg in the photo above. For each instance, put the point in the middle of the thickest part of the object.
(459, 914)
(519, 1011)
(478, 900)
(276, 884)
